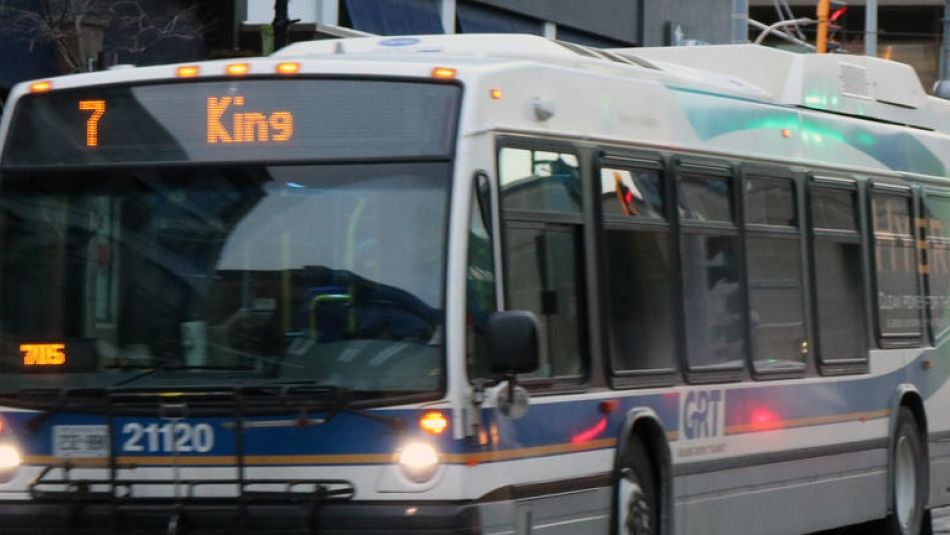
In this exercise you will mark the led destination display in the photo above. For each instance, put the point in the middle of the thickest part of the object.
(227, 121)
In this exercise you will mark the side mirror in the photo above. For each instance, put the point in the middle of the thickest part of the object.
(512, 337)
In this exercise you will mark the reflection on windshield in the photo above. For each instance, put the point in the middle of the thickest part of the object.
(330, 274)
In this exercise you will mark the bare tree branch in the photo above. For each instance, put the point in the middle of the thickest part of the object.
(133, 26)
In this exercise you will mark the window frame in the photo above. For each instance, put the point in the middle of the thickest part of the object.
(793, 233)
(876, 187)
(926, 194)
(858, 236)
(685, 226)
(634, 160)
(591, 372)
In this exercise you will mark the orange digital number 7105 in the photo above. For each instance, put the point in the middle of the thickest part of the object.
(98, 108)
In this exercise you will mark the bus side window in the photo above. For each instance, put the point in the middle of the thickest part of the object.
(542, 237)
(774, 271)
(839, 274)
(895, 260)
(937, 213)
(640, 270)
(714, 304)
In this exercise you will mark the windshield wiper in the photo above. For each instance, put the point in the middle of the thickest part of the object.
(152, 370)
(300, 396)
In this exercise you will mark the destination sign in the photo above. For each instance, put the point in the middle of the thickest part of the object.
(234, 121)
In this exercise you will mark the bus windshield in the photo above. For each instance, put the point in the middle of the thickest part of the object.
(205, 275)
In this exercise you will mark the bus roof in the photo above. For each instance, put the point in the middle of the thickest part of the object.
(854, 86)
(859, 86)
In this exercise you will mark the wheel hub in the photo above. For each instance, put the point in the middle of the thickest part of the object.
(635, 510)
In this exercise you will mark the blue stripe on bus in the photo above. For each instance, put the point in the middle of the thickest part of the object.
(545, 424)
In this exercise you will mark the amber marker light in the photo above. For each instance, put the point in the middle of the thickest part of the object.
(496, 94)
(786, 132)
(238, 69)
(41, 87)
(187, 71)
(288, 67)
(444, 73)
(433, 423)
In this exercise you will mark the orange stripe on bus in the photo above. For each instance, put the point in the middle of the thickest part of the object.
(805, 422)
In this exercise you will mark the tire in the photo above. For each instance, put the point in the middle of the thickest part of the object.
(908, 478)
(636, 504)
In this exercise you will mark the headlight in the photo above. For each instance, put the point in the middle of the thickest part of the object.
(10, 460)
(418, 461)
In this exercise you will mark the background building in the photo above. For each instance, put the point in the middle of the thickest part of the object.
(607, 23)
(35, 45)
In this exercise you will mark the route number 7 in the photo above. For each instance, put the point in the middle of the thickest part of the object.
(98, 108)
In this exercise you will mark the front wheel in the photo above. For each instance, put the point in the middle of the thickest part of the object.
(908, 478)
(635, 501)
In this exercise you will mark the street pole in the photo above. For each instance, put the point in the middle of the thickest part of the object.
(821, 42)
(740, 21)
(870, 28)
(281, 24)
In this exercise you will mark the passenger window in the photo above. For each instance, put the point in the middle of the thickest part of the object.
(642, 309)
(770, 202)
(640, 270)
(714, 304)
(539, 180)
(773, 253)
(834, 209)
(938, 262)
(543, 252)
(896, 263)
(631, 193)
(707, 198)
(839, 275)
(545, 277)
(715, 328)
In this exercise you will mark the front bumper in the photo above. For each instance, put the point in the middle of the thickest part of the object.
(168, 518)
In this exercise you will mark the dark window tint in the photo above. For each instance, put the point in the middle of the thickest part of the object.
(938, 261)
(546, 278)
(770, 202)
(211, 275)
(539, 180)
(641, 300)
(834, 209)
(480, 289)
(892, 215)
(707, 198)
(896, 263)
(839, 289)
(629, 192)
(776, 312)
(715, 332)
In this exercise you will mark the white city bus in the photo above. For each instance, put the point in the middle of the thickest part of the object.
(476, 284)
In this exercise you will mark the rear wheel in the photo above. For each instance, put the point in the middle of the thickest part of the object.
(635, 500)
(908, 478)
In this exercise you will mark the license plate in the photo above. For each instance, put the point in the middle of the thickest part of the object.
(91, 441)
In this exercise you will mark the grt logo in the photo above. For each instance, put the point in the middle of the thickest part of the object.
(702, 414)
